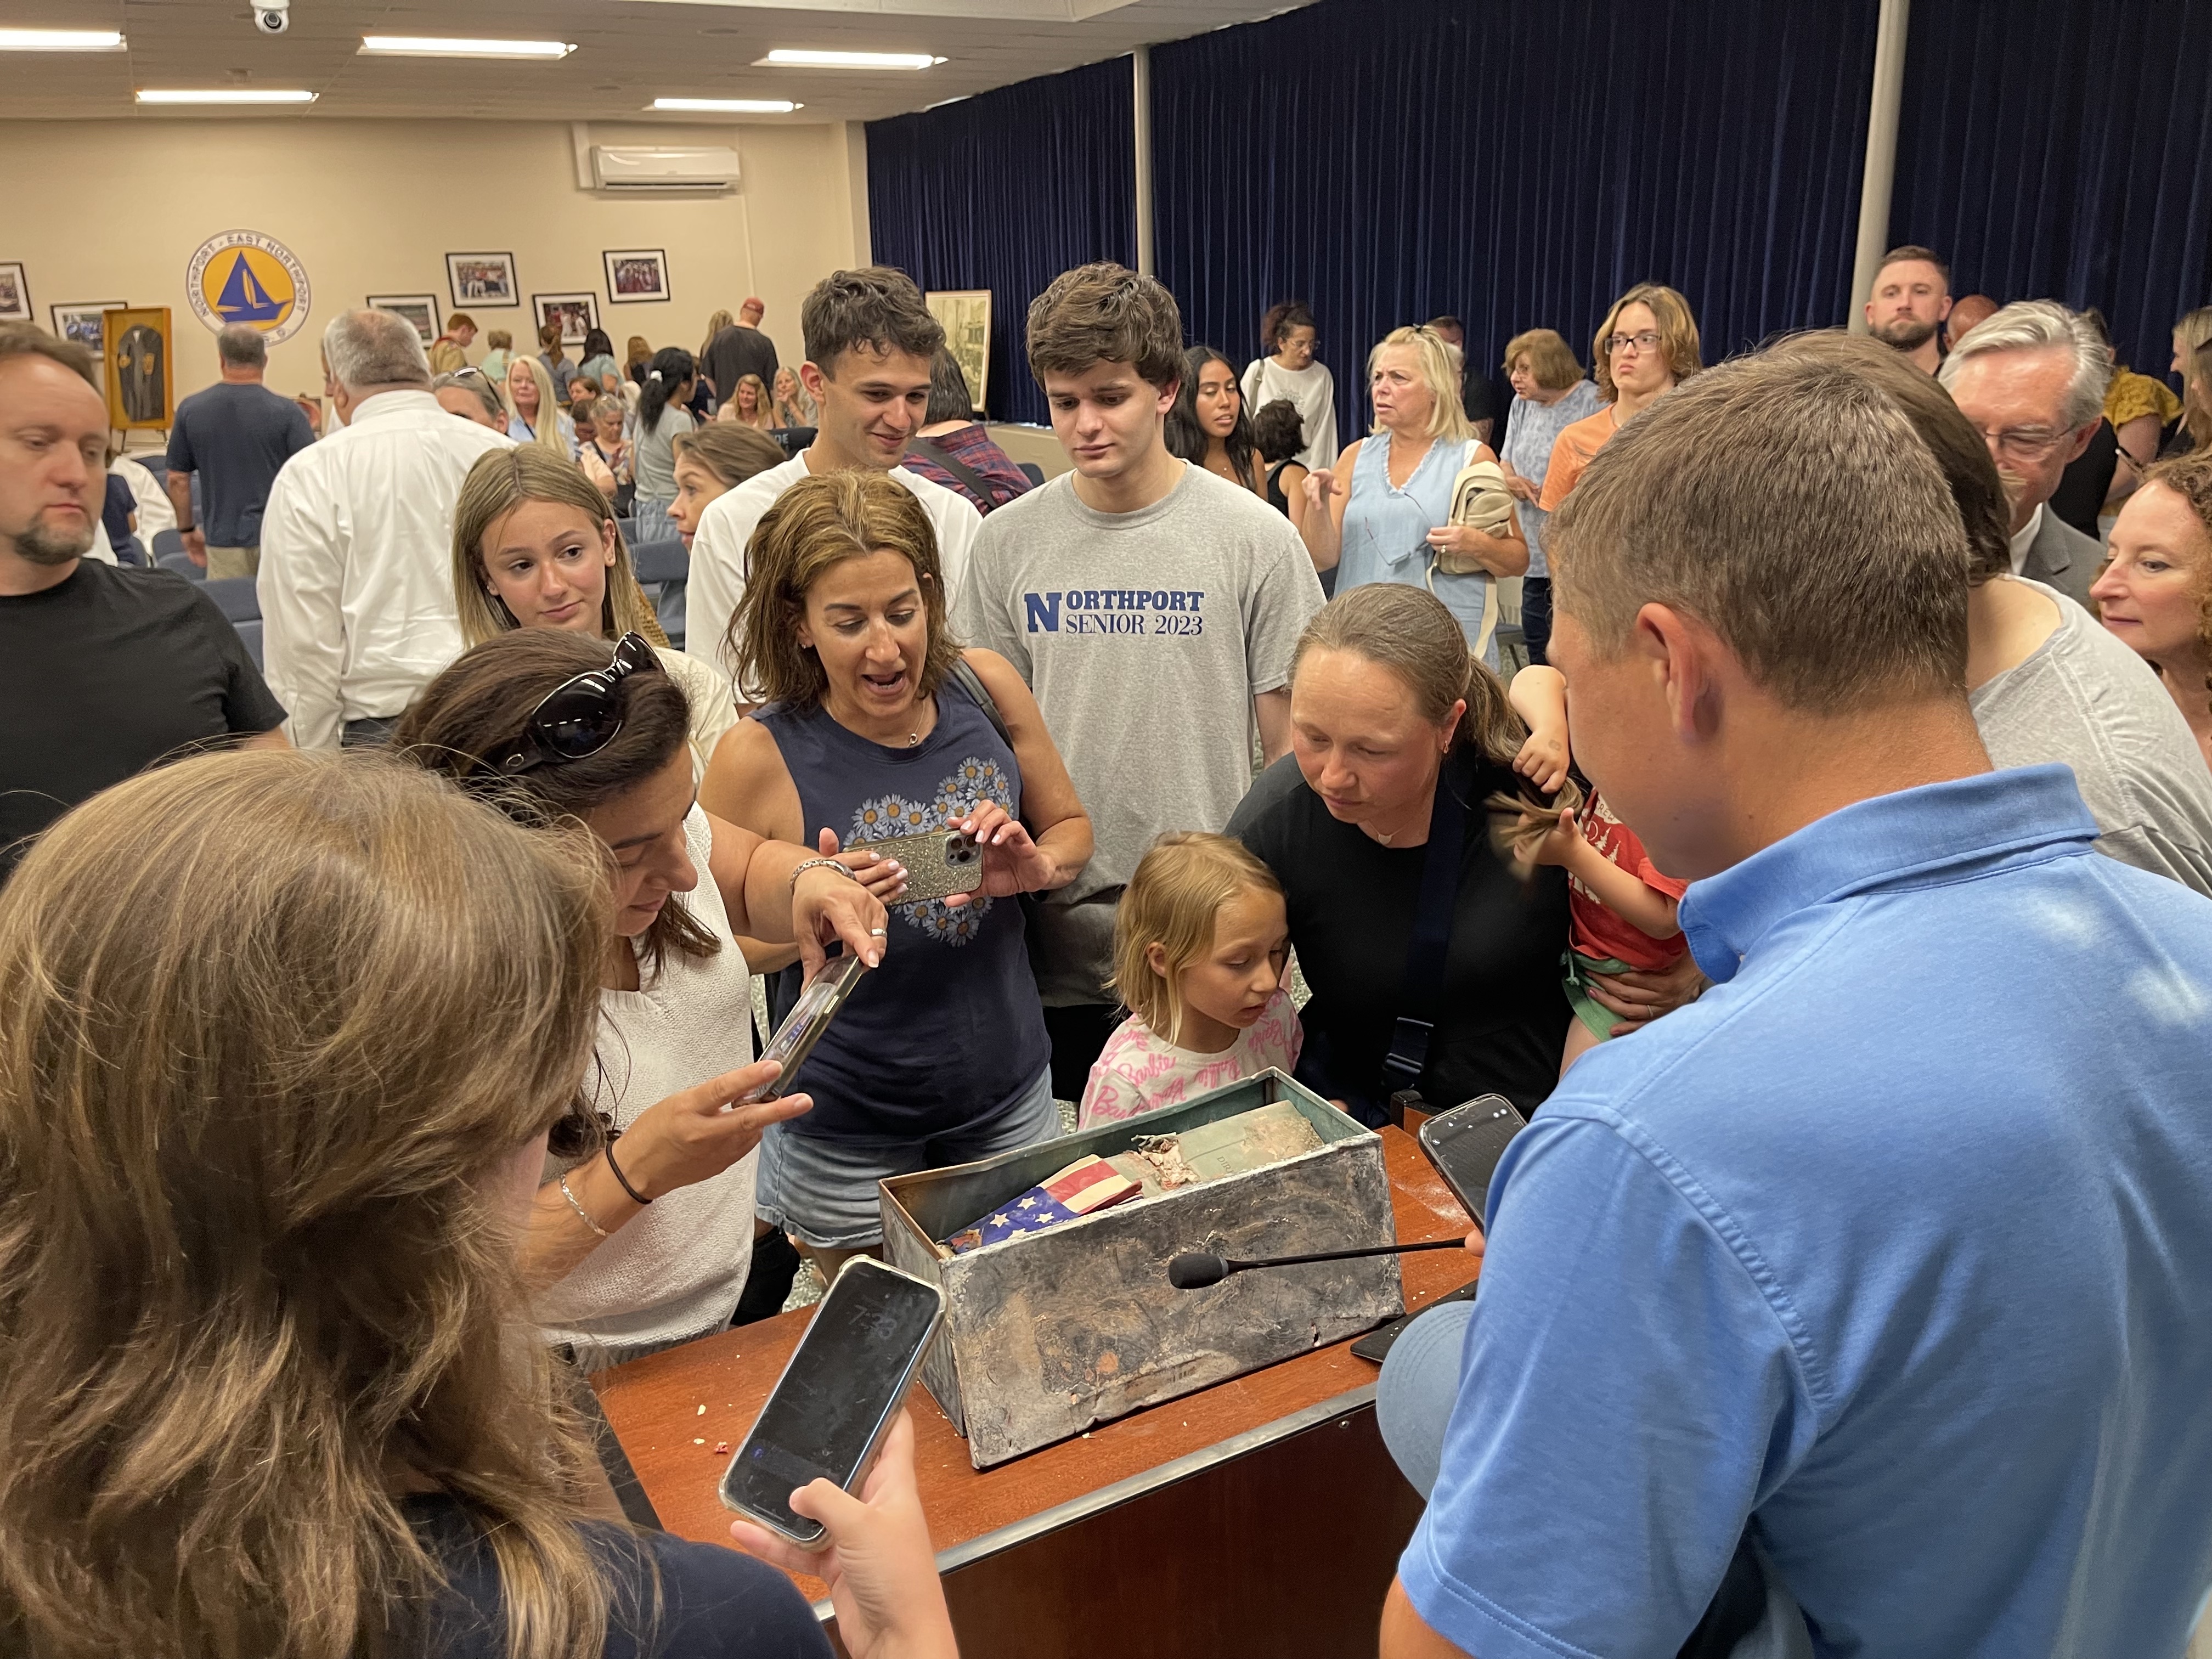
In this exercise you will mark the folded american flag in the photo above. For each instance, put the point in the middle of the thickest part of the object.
(1082, 1187)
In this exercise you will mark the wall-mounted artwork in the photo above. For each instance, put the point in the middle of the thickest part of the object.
(81, 323)
(140, 371)
(15, 294)
(635, 275)
(482, 279)
(420, 309)
(966, 314)
(577, 313)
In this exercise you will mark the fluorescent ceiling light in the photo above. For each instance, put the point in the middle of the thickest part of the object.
(61, 40)
(729, 105)
(784, 57)
(221, 96)
(424, 45)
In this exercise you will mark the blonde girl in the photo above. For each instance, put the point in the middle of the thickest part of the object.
(1200, 941)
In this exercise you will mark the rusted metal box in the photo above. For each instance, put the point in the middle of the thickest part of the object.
(1048, 1334)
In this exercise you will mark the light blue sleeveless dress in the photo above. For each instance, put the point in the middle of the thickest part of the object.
(1386, 532)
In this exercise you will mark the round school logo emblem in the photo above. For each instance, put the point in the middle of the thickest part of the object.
(243, 276)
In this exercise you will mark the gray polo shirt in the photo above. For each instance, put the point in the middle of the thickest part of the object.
(2083, 698)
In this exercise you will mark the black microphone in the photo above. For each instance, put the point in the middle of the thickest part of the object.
(1194, 1270)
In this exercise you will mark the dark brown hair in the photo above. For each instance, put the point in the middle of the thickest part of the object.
(1280, 430)
(475, 712)
(1791, 506)
(29, 339)
(874, 307)
(1106, 313)
(732, 452)
(1408, 631)
(1898, 256)
(1950, 437)
(1282, 317)
(821, 521)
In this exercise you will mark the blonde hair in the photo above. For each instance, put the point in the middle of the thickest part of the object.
(1174, 901)
(1438, 371)
(1551, 359)
(501, 481)
(2192, 337)
(253, 1271)
(763, 410)
(1678, 334)
(546, 430)
(821, 521)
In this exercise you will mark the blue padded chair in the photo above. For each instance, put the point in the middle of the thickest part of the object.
(236, 597)
(181, 562)
(663, 570)
(167, 542)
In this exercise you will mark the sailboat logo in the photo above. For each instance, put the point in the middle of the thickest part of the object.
(245, 276)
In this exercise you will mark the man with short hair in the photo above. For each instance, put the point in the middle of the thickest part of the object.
(103, 671)
(357, 545)
(870, 342)
(449, 352)
(2031, 379)
(1870, 1294)
(1153, 607)
(741, 350)
(1966, 315)
(1478, 391)
(236, 434)
(1910, 298)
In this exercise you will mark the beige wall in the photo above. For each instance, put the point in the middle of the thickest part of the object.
(113, 210)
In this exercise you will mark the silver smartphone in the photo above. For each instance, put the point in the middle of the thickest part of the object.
(803, 1026)
(838, 1396)
(938, 863)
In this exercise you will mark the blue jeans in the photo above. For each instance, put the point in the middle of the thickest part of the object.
(821, 1188)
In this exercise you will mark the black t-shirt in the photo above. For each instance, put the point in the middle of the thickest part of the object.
(104, 674)
(734, 353)
(1351, 899)
(714, 1603)
(2082, 487)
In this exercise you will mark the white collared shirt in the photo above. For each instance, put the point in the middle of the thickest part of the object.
(2024, 538)
(356, 582)
(725, 530)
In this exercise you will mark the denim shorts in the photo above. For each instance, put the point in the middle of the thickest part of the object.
(822, 1189)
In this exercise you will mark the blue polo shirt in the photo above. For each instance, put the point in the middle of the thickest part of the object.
(1896, 1246)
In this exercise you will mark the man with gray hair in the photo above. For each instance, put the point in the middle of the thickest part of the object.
(357, 583)
(236, 434)
(2031, 379)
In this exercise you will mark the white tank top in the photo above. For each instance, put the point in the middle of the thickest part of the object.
(675, 1270)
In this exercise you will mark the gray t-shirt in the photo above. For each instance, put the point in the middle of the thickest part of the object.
(1145, 636)
(656, 455)
(2084, 699)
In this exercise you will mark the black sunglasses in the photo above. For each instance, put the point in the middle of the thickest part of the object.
(580, 716)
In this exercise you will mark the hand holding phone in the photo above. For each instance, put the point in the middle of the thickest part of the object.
(803, 1026)
(880, 1567)
(697, 1133)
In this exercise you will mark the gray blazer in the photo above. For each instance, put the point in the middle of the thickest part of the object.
(2062, 557)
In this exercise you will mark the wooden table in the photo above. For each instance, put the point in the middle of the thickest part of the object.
(1263, 1515)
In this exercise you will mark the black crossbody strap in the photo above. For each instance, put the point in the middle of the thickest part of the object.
(1420, 997)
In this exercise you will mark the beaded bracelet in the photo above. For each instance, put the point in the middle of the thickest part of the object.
(805, 864)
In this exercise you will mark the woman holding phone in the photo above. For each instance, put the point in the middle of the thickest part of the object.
(644, 1241)
(323, 1078)
(878, 725)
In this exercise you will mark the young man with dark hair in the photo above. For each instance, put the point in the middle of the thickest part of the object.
(103, 671)
(1152, 606)
(1870, 1294)
(870, 345)
(1910, 298)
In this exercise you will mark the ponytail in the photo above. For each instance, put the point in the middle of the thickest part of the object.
(671, 367)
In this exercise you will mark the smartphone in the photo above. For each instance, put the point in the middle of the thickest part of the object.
(837, 1397)
(803, 1026)
(1466, 1143)
(938, 863)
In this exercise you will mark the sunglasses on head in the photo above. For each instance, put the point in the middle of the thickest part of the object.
(580, 716)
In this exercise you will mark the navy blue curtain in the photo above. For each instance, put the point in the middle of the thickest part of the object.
(2054, 150)
(1005, 190)
(1388, 161)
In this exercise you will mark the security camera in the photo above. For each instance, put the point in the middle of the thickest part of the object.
(273, 16)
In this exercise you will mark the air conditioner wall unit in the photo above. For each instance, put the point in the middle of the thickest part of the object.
(662, 168)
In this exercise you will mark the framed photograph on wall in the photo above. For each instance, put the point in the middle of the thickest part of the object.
(15, 294)
(966, 314)
(577, 313)
(482, 279)
(636, 273)
(81, 323)
(139, 367)
(420, 309)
